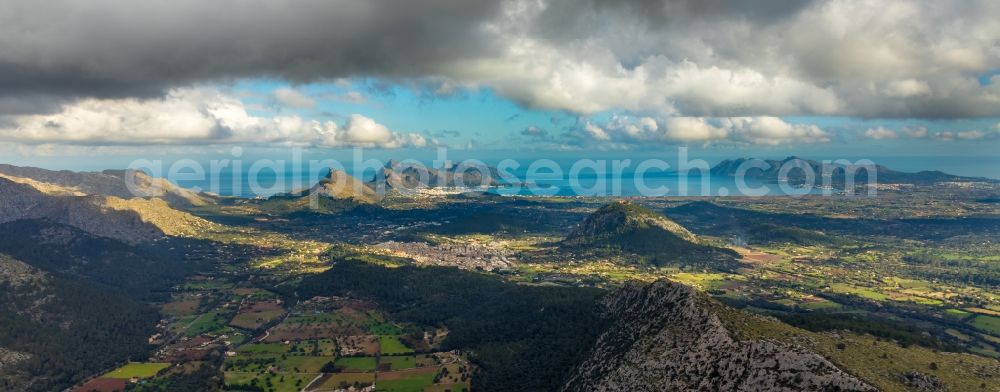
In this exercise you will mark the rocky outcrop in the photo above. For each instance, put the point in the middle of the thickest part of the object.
(16, 273)
(921, 382)
(11, 357)
(665, 337)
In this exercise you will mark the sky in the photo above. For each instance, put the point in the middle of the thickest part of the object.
(97, 83)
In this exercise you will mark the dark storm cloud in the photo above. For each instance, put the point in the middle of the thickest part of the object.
(889, 58)
(561, 15)
(106, 48)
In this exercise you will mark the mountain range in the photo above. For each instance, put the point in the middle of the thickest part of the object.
(73, 245)
(730, 167)
(401, 177)
(338, 190)
(109, 183)
(132, 220)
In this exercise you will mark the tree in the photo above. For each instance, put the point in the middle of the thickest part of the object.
(331, 367)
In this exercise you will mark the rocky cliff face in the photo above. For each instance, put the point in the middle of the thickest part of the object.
(665, 337)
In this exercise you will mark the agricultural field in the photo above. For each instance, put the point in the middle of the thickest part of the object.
(390, 345)
(410, 380)
(181, 307)
(255, 314)
(206, 285)
(403, 362)
(343, 381)
(264, 348)
(103, 384)
(272, 382)
(988, 324)
(358, 345)
(208, 322)
(289, 356)
(357, 364)
(137, 370)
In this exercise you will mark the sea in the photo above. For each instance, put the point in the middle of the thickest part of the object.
(598, 178)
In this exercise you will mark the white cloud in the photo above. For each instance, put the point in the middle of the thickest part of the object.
(293, 98)
(916, 133)
(625, 131)
(945, 135)
(685, 72)
(361, 129)
(775, 131)
(884, 58)
(682, 58)
(193, 116)
(693, 129)
(595, 132)
(415, 140)
(594, 80)
(970, 135)
(922, 133)
(880, 133)
(978, 134)
(635, 128)
(355, 97)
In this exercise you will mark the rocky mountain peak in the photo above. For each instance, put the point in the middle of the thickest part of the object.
(337, 184)
(666, 337)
